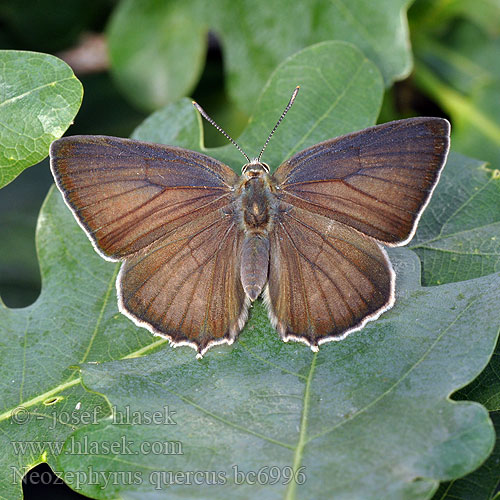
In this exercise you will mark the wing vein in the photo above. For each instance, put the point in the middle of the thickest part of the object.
(341, 213)
(325, 240)
(342, 256)
(321, 270)
(113, 235)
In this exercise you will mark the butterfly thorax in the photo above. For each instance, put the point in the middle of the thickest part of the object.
(257, 207)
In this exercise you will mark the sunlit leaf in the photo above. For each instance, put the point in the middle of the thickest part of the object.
(39, 97)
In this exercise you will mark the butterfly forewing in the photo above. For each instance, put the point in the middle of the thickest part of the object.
(325, 279)
(127, 194)
(377, 180)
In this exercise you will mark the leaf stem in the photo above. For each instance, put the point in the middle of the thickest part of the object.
(299, 449)
(41, 397)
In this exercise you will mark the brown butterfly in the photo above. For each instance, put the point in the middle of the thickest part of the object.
(199, 244)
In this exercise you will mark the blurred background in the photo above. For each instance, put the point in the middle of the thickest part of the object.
(133, 57)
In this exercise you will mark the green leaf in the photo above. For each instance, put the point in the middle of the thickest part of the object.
(39, 97)
(177, 124)
(483, 483)
(458, 237)
(374, 406)
(154, 44)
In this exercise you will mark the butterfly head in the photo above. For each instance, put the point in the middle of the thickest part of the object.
(255, 169)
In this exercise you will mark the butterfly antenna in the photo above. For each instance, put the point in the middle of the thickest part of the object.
(289, 105)
(220, 129)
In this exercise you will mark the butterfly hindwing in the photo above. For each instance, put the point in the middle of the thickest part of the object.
(186, 286)
(325, 278)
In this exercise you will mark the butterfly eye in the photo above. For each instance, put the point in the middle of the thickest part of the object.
(255, 169)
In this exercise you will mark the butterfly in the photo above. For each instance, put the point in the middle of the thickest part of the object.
(199, 243)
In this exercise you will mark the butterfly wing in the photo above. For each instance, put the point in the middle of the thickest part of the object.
(127, 194)
(325, 278)
(377, 180)
(186, 286)
(167, 212)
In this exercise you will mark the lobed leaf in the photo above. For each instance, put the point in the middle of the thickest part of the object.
(39, 97)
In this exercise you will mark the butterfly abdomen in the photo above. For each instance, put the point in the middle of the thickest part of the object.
(254, 264)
